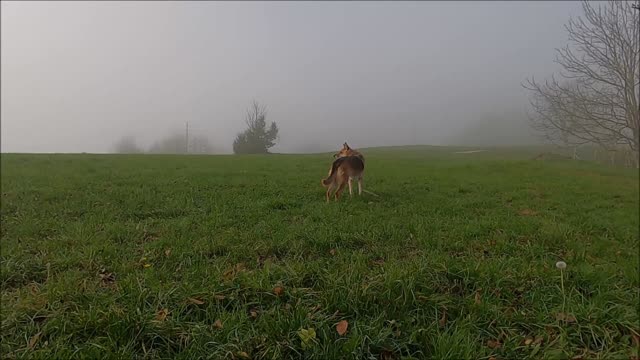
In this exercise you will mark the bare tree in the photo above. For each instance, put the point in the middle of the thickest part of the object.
(596, 97)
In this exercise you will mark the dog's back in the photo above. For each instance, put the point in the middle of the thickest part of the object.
(344, 168)
(348, 151)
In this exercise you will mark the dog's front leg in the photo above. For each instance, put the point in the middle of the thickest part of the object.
(350, 189)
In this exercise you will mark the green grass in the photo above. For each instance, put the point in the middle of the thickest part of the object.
(455, 258)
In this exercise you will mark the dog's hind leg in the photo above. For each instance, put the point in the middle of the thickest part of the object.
(350, 189)
(340, 189)
(360, 185)
(328, 194)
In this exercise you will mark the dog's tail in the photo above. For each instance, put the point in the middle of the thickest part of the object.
(332, 173)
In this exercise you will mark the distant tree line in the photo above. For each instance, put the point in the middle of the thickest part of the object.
(257, 138)
(127, 145)
(172, 144)
(177, 144)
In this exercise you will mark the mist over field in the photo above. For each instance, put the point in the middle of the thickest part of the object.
(80, 76)
(482, 200)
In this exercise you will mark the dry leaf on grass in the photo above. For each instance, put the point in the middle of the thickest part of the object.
(493, 344)
(196, 301)
(341, 327)
(278, 290)
(332, 252)
(527, 212)
(243, 355)
(538, 340)
(217, 324)
(477, 298)
(162, 314)
(218, 297)
(167, 252)
(568, 318)
(528, 341)
(34, 340)
(230, 274)
(443, 320)
(253, 313)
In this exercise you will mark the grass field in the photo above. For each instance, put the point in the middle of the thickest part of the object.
(239, 257)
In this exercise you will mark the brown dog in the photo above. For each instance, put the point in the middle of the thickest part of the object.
(349, 165)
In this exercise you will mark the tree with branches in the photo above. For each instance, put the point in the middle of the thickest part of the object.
(257, 138)
(595, 99)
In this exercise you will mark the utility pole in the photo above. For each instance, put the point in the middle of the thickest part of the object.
(186, 143)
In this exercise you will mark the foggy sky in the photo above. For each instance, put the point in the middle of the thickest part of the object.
(77, 76)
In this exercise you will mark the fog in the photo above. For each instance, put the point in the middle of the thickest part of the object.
(78, 76)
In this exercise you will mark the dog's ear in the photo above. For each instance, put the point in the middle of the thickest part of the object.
(346, 146)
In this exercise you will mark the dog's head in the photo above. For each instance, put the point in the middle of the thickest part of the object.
(345, 151)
